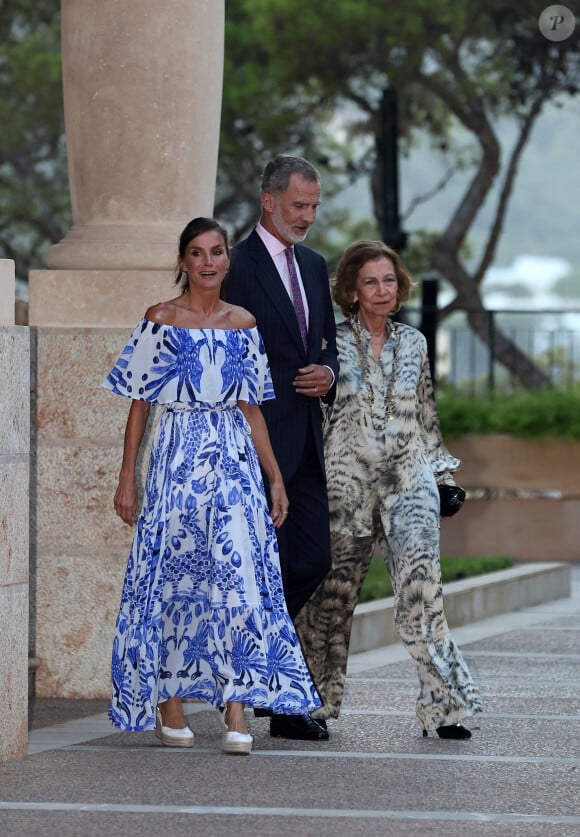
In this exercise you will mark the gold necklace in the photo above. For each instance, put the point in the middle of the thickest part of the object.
(389, 397)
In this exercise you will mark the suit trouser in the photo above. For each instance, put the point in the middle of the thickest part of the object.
(447, 692)
(304, 539)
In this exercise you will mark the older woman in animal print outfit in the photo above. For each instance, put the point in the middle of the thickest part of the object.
(384, 459)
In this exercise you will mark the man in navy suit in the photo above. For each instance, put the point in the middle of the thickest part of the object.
(285, 286)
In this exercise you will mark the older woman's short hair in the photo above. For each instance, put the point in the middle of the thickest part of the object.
(353, 258)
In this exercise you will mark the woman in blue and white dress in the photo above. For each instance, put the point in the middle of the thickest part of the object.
(202, 613)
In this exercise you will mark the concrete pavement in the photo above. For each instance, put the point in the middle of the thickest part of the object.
(519, 775)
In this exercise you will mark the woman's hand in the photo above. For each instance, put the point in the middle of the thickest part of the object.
(280, 503)
(278, 497)
(125, 501)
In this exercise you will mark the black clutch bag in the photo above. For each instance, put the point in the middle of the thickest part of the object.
(451, 498)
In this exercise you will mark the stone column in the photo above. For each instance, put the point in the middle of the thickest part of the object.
(142, 98)
(14, 517)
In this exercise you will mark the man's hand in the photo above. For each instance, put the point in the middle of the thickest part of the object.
(313, 380)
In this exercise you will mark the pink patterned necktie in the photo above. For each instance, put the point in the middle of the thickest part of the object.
(296, 295)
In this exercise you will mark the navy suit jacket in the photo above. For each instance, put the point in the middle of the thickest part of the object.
(254, 283)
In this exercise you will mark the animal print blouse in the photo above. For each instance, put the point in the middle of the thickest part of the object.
(384, 460)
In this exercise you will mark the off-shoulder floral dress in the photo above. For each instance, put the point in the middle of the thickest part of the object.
(202, 612)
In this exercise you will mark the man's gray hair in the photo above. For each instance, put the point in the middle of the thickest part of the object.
(277, 174)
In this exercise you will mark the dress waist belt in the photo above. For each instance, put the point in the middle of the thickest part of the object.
(179, 407)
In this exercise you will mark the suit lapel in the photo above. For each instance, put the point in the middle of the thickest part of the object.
(269, 279)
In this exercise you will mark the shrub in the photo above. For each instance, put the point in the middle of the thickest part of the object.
(377, 584)
(530, 415)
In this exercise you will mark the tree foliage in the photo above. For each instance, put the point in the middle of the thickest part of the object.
(34, 198)
(259, 121)
(309, 78)
(456, 68)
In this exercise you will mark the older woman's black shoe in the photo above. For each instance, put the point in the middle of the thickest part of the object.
(455, 731)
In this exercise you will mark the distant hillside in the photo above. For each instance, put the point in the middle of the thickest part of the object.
(542, 219)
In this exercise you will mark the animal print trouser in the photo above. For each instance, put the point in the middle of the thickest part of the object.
(447, 692)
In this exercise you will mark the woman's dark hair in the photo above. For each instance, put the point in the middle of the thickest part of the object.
(196, 227)
(353, 258)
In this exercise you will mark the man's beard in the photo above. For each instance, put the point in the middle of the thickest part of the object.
(286, 230)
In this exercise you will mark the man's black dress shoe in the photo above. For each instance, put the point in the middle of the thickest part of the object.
(297, 727)
(452, 731)
(262, 713)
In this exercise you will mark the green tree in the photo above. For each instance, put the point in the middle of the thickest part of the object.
(457, 69)
(34, 197)
(292, 71)
(257, 122)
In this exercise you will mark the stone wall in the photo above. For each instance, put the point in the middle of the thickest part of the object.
(14, 521)
(523, 501)
(81, 546)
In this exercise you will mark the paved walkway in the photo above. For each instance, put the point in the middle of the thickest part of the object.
(519, 775)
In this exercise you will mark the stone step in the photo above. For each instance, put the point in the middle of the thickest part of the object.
(468, 600)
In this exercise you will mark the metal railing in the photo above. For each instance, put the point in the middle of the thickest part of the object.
(550, 339)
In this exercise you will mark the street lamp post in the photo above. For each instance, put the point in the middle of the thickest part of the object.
(388, 166)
